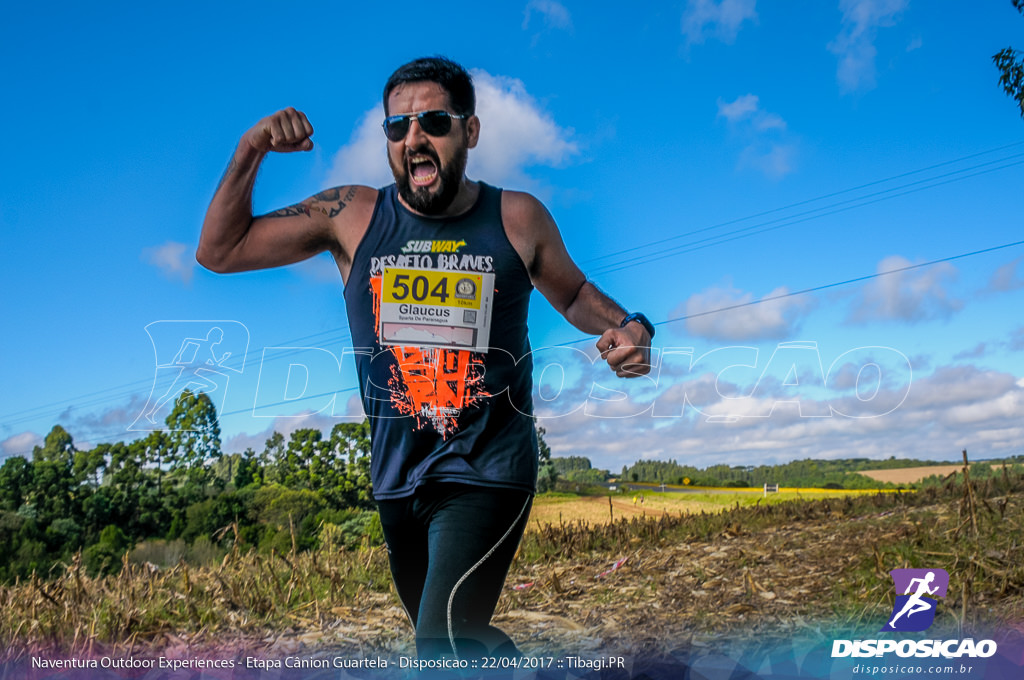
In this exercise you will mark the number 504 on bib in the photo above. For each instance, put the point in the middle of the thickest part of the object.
(436, 308)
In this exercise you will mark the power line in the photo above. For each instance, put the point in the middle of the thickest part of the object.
(806, 201)
(824, 211)
(835, 284)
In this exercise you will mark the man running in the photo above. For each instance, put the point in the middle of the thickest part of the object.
(438, 271)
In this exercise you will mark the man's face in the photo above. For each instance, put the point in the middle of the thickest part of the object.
(428, 170)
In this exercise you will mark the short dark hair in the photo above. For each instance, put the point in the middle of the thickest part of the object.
(443, 71)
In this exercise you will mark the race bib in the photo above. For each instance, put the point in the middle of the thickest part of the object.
(436, 308)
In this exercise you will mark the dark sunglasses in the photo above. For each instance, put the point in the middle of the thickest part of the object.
(434, 123)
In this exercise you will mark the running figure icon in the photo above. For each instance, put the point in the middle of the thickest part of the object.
(195, 368)
(915, 604)
(917, 596)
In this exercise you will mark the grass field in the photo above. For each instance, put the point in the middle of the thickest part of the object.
(554, 508)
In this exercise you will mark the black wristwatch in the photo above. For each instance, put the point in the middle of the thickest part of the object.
(640, 319)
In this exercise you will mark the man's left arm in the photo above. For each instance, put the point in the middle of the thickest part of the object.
(533, 233)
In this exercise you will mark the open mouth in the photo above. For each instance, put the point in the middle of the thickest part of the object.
(422, 170)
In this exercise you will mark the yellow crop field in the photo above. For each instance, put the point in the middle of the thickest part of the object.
(911, 475)
(567, 508)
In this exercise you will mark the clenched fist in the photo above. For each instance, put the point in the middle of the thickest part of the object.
(285, 131)
(627, 350)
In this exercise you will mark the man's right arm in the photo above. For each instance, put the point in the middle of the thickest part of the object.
(232, 240)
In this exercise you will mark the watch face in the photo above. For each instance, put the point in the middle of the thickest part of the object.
(465, 288)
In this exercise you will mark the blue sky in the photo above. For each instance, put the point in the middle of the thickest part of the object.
(696, 155)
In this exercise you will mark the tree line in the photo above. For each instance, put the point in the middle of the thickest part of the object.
(175, 484)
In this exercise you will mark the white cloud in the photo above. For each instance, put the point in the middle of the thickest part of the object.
(772, 159)
(910, 296)
(747, 110)
(976, 352)
(1016, 343)
(108, 422)
(720, 20)
(768, 149)
(364, 159)
(934, 417)
(769, 121)
(766, 320)
(1007, 278)
(516, 134)
(286, 425)
(742, 108)
(173, 259)
(20, 444)
(855, 44)
(553, 14)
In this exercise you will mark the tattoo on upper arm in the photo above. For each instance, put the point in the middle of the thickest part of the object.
(330, 202)
(333, 201)
(297, 209)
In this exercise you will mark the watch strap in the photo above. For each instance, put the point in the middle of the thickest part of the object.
(640, 319)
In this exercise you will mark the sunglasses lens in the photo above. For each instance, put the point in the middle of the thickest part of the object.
(396, 127)
(435, 123)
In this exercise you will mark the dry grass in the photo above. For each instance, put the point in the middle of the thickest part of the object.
(248, 599)
(628, 585)
(821, 573)
(772, 570)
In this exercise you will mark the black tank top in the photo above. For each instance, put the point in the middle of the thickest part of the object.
(438, 411)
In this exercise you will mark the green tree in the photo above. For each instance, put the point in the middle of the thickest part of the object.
(53, 490)
(272, 458)
(136, 500)
(303, 448)
(233, 471)
(104, 556)
(246, 470)
(547, 473)
(352, 441)
(571, 463)
(1011, 68)
(193, 436)
(89, 465)
(16, 480)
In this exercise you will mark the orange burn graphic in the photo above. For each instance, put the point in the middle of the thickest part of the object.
(432, 385)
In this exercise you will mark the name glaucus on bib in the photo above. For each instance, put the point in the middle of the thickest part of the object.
(445, 309)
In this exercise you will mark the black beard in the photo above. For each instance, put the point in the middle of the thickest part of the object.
(422, 200)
